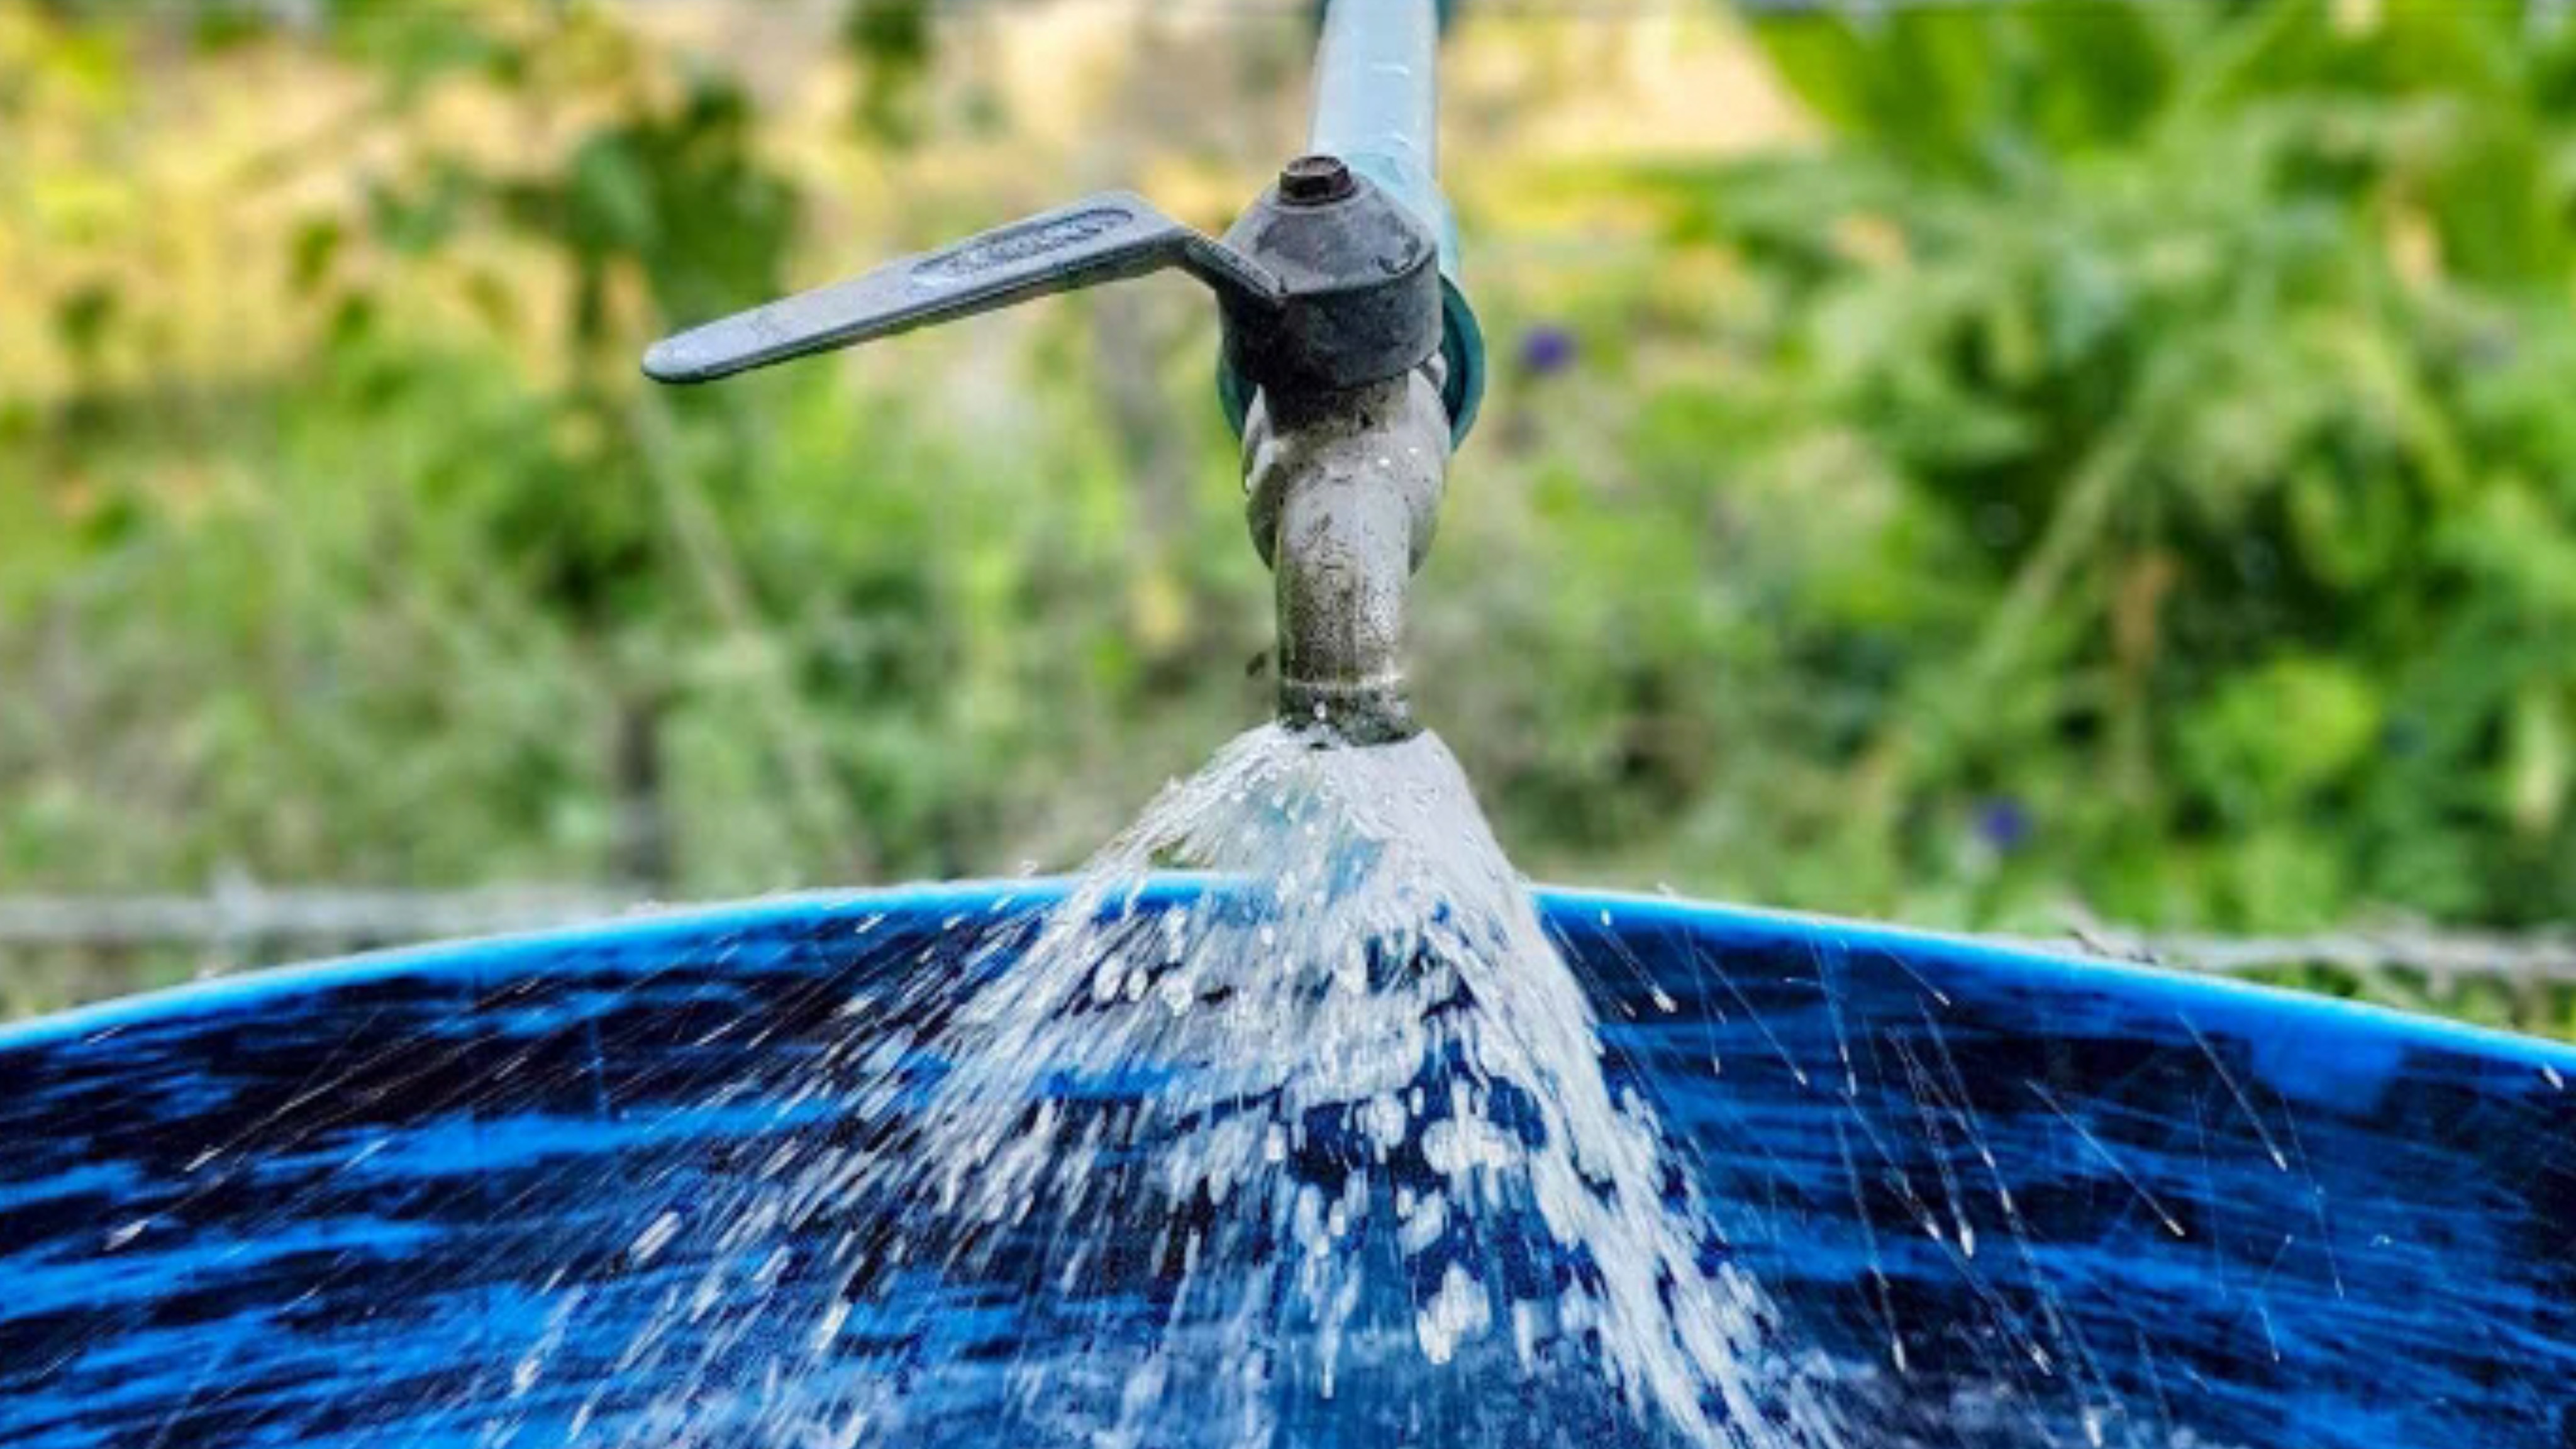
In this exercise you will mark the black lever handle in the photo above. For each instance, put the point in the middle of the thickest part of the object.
(1103, 238)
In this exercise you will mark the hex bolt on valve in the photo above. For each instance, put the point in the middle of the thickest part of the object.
(1349, 362)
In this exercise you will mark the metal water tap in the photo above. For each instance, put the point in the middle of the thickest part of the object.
(1343, 495)
(1350, 362)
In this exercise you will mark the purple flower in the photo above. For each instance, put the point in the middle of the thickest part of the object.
(2003, 823)
(1546, 349)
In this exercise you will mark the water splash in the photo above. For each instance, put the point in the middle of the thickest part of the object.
(1322, 1153)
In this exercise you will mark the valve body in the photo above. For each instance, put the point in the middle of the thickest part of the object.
(1350, 359)
(1343, 495)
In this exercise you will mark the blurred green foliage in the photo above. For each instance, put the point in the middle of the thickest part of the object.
(2206, 377)
(2125, 460)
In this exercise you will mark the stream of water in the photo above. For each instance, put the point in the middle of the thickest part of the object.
(1325, 1155)
(1288, 1124)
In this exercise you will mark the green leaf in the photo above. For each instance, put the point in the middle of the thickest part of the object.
(2272, 738)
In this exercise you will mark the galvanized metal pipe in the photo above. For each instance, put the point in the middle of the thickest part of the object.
(1377, 106)
(1377, 102)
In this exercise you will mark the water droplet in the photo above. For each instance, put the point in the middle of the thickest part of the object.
(656, 1236)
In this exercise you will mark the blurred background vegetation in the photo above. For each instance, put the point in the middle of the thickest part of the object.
(1957, 463)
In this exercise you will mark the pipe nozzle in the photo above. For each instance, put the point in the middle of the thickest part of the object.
(1343, 494)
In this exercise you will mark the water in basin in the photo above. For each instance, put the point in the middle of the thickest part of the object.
(1294, 1121)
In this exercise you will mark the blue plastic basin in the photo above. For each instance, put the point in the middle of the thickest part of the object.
(2022, 1200)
